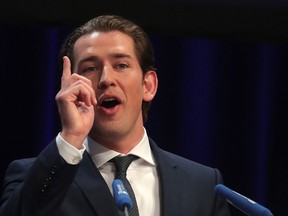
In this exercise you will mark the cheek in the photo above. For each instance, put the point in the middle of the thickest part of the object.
(94, 80)
(137, 92)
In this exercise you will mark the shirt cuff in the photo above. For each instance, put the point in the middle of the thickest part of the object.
(69, 153)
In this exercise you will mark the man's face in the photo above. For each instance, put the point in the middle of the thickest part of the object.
(109, 61)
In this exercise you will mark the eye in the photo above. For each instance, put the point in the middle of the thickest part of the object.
(89, 69)
(122, 66)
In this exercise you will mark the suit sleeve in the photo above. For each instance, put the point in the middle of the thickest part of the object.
(37, 186)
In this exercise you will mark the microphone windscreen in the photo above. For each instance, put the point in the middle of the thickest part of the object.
(121, 195)
(241, 202)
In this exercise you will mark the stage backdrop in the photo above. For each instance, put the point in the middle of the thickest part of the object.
(222, 103)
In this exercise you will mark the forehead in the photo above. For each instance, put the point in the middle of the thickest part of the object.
(104, 43)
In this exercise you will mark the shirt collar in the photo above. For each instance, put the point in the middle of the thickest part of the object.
(100, 154)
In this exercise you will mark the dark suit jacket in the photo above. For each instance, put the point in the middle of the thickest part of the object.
(49, 186)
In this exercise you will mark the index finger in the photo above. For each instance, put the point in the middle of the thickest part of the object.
(66, 68)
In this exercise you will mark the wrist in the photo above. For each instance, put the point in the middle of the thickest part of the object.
(72, 139)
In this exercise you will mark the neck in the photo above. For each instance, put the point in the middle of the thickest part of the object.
(123, 143)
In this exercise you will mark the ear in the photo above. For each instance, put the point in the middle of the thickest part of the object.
(150, 85)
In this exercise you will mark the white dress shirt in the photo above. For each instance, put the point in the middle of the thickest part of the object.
(141, 173)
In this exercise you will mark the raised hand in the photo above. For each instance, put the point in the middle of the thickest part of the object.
(75, 101)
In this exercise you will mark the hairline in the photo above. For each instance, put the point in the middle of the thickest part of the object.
(107, 31)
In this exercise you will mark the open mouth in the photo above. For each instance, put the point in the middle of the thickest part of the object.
(109, 103)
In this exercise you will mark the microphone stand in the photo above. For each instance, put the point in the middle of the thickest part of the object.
(126, 211)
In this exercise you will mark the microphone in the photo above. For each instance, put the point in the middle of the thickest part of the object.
(122, 198)
(241, 202)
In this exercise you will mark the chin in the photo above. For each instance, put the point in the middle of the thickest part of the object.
(108, 130)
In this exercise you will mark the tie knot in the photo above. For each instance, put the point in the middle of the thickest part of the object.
(122, 163)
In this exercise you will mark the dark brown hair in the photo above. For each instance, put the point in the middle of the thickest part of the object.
(107, 23)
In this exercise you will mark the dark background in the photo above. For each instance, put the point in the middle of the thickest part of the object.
(223, 73)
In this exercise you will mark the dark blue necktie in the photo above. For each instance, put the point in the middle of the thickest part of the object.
(121, 164)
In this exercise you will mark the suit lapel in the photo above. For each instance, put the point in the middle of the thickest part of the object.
(170, 180)
(95, 188)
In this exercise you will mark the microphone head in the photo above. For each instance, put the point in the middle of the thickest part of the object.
(241, 202)
(121, 195)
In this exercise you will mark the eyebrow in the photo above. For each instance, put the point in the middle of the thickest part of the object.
(88, 59)
(121, 55)
(113, 55)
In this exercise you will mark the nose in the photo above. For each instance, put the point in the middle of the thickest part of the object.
(106, 78)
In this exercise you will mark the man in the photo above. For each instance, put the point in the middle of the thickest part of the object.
(107, 85)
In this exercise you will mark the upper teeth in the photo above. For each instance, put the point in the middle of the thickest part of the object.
(109, 99)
